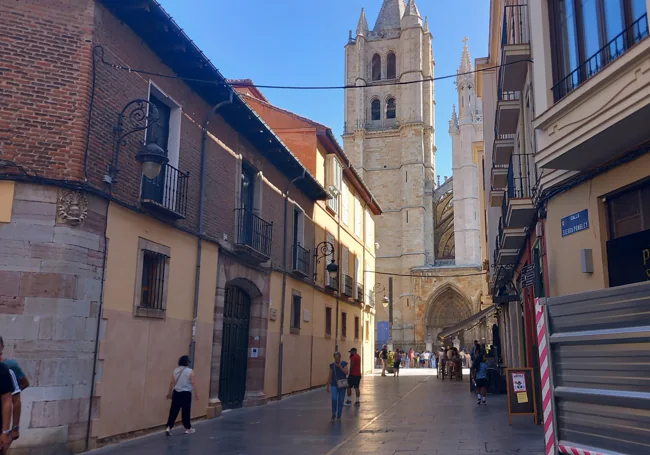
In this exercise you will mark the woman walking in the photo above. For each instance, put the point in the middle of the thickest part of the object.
(481, 368)
(180, 392)
(337, 384)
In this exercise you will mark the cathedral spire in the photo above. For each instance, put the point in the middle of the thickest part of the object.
(412, 9)
(453, 122)
(466, 60)
(362, 28)
(426, 25)
(390, 15)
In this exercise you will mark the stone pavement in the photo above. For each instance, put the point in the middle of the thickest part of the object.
(416, 414)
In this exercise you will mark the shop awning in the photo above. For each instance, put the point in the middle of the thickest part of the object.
(467, 323)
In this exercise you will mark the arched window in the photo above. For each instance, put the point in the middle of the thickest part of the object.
(391, 66)
(376, 67)
(375, 110)
(391, 108)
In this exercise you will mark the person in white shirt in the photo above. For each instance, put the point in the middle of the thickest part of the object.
(180, 392)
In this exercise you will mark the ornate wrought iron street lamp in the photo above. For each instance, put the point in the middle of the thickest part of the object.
(326, 249)
(381, 289)
(151, 156)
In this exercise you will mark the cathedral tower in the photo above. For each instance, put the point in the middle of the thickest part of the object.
(390, 138)
(466, 130)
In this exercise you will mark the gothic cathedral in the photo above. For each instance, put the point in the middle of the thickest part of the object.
(429, 233)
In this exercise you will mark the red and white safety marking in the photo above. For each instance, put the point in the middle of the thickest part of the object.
(547, 394)
(576, 451)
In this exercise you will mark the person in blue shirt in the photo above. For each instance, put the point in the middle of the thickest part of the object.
(338, 370)
(22, 382)
(480, 366)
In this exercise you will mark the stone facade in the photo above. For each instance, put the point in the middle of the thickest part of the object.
(50, 286)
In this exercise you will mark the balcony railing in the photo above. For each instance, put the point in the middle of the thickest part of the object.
(348, 285)
(522, 176)
(333, 284)
(515, 25)
(301, 257)
(606, 55)
(253, 232)
(359, 296)
(166, 193)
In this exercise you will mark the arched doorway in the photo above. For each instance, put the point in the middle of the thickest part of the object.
(234, 347)
(447, 307)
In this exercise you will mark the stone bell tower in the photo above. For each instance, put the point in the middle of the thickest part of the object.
(390, 138)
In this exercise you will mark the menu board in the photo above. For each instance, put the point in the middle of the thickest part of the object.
(521, 393)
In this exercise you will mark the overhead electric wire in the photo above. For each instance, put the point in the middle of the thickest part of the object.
(303, 87)
(424, 276)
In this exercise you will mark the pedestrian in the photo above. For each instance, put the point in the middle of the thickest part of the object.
(377, 359)
(475, 348)
(337, 383)
(180, 392)
(8, 388)
(354, 379)
(397, 362)
(22, 382)
(481, 368)
(384, 359)
(411, 357)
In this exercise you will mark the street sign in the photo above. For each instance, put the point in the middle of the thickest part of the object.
(528, 276)
(575, 223)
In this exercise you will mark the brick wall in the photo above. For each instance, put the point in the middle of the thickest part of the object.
(44, 84)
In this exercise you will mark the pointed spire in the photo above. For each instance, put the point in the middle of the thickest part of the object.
(362, 28)
(453, 122)
(412, 9)
(426, 24)
(466, 59)
(390, 15)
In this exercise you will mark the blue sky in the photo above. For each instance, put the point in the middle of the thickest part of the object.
(301, 42)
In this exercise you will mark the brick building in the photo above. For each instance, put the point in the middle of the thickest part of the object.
(107, 277)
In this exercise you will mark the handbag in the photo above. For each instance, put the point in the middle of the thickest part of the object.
(340, 383)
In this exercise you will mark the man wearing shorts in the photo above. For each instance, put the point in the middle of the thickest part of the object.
(354, 378)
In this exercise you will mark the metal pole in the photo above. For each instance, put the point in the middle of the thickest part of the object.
(390, 309)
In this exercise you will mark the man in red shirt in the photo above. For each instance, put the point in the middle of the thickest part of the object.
(354, 379)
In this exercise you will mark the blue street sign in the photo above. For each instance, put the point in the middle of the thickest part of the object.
(575, 223)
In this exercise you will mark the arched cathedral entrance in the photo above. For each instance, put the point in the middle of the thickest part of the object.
(447, 307)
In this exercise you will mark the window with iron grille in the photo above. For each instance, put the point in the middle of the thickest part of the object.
(150, 299)
(344, 325)
(356, 327)
(296, 312)
(328, 321)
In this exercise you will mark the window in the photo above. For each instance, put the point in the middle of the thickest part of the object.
(376, 67)
(333, 173)
(356, 327)
(358, 217)
(345, 203)
(328, 321)
(344, 325)
(589, 34)
(296, 312)
(158, 133)
(375, 110)
(150, 299)
(357, 277)
(298, 226)
(370, 229)
(629, 212)
(328, 281)
(391, 108)
(391, 66)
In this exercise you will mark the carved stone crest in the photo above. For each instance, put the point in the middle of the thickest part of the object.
(73, 207)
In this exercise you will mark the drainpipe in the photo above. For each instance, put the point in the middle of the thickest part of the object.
(199, 248)
(284, 281)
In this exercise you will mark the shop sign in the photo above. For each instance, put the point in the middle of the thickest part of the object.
(528, 276)
(575, 223)
(629, 259)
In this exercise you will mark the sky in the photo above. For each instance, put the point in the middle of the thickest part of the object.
(301, 42)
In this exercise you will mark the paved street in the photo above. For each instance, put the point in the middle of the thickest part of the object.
(415, 414)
